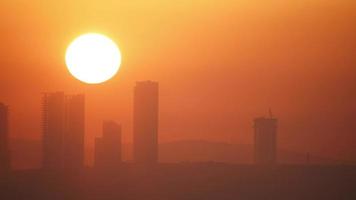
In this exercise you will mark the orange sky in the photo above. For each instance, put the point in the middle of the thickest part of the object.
(219, 65)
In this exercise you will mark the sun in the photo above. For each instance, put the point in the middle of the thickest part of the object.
(93, 58)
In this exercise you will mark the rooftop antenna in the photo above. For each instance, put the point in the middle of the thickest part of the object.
(270, 113)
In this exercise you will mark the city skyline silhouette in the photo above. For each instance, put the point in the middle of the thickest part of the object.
(63, 133)
(224, 72)
(177, 99)
(63, 136)
(63, 174)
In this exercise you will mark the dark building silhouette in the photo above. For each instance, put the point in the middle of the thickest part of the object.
(108, 147)
(53, 111)
(63, 131)
(145, 122)
(73, 146)
(265, 140)
(5, 165)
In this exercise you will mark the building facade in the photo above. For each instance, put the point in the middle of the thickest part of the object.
(63, 131)
(108, 148)
(145, 125)
(265, 138)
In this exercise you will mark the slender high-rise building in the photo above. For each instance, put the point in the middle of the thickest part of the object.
(146, 122)
(265, 140)
(53, 116)
(63, 131)
(73, 138)
(108, 147)
(5, 165)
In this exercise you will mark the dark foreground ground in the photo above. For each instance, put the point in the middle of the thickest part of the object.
(185, 182)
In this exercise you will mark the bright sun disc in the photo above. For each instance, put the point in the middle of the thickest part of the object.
(93, 58)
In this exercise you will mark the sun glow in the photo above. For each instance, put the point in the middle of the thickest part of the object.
(93, 58)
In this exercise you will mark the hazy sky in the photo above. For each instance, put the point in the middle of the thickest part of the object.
(220, 63)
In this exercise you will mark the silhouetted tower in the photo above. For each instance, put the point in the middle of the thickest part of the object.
(5, 165)
(53, 115)
(63, 131)
(74, 132)
(265, 140)
(146, 122)
(108, 147)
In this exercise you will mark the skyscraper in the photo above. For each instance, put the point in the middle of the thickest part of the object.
(53, 115)
(108, 147)
(73, 138)
(265, 140)
(4, 139)
(146, 122)
(63, 131)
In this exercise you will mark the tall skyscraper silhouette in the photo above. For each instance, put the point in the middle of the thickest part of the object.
(108, 147)
(63, 131)
(146, 122)
(265, 140)
(73, 146)
(53, 115)
(5, 165)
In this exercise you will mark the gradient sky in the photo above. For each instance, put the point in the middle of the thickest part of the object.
(219, 65)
